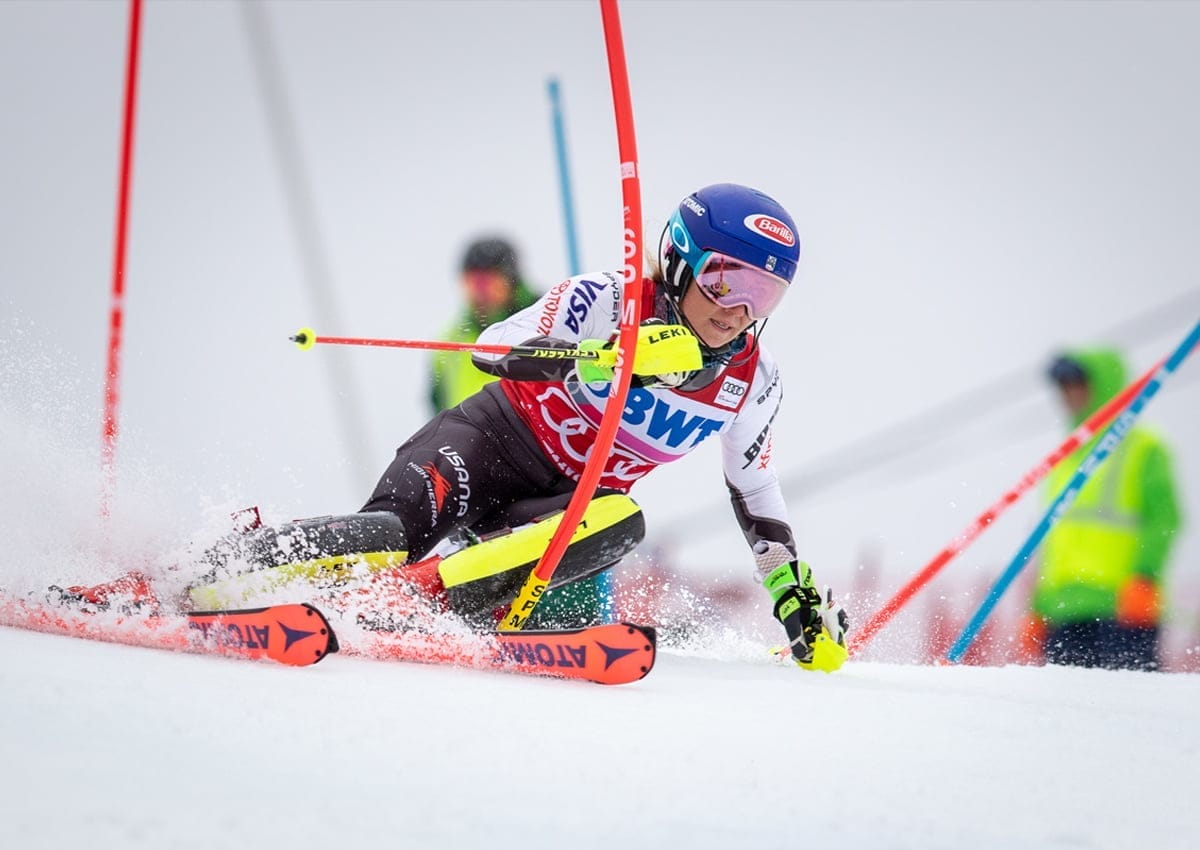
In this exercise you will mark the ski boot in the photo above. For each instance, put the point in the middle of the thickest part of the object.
(321, 553)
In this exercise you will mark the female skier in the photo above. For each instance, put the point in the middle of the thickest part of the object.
(509, 456)
(490, 477)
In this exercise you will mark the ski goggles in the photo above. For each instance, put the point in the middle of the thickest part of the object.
(728, 282)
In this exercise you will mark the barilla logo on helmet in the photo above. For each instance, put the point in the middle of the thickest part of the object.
(770, 227)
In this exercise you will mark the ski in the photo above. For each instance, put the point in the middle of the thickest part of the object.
(387, 609)
(299, 635)
(292, 634)
(610, 654)
(403, 616)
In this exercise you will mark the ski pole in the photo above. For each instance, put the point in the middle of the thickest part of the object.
(669, 348)
(306, 338)
(1108, 441)
(1086, 430)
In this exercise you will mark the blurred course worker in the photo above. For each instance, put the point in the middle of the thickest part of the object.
(1099, 591)
(492, 290)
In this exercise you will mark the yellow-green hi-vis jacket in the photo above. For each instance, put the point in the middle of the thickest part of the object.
(1122, 522)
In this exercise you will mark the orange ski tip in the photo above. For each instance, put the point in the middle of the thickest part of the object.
(614, 654)
(294, 634)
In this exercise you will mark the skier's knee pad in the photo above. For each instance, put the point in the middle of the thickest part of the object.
(322, 550)
(489, 574)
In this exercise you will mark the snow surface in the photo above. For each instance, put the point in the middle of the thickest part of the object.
(114, 747)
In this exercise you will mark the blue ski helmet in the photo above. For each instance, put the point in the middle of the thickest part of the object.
(735, 222)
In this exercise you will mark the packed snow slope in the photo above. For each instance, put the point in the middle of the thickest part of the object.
(115, 747)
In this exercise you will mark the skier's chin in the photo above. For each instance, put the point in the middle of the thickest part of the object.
(716, 337)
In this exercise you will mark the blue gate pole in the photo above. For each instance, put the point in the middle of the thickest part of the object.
(564, 176)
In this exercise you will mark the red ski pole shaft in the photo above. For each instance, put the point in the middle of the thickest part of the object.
(306, 338)
(1078, 437)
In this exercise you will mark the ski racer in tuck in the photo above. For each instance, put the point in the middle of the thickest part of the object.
(510, 455)
(470, 502)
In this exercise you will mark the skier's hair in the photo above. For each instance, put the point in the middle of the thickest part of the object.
(654, 269)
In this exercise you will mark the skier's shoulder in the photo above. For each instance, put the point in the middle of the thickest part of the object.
(591, 280)
(575, 300)
(767, 367)
(596, 283)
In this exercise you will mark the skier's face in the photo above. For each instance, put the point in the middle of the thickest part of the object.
(715, 325)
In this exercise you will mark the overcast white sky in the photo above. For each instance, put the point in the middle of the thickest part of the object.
(974, 185)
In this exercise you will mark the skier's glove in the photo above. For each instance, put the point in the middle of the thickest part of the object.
(816, 628)
(665, 355)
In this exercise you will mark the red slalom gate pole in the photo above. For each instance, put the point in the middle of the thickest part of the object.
(539, 578)
(116, 311)
(1078, 437)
